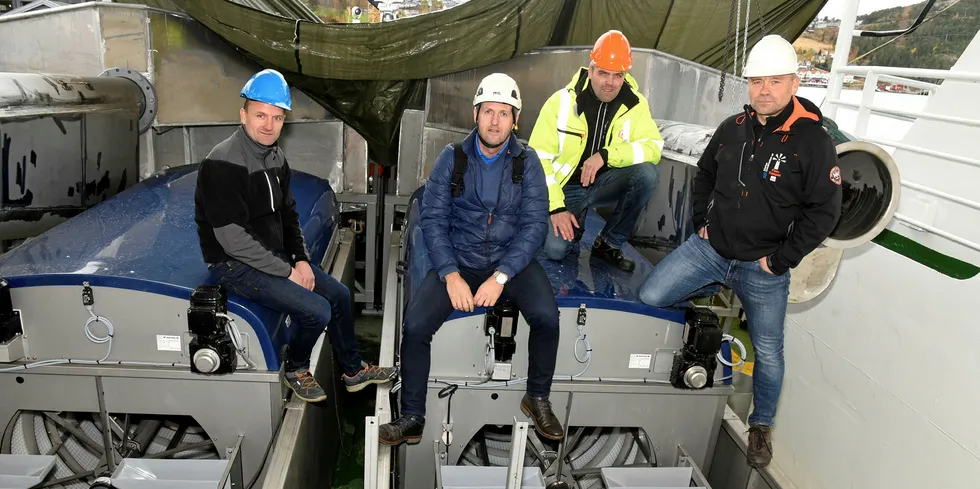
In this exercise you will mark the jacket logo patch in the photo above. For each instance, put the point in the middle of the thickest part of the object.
(775, 160)
(835, 175)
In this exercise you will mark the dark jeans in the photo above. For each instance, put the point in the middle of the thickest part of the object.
(430, 306)
(695, 270)
(327, 306)
(628, 188)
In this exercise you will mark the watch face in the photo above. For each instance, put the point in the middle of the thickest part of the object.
(501, 278)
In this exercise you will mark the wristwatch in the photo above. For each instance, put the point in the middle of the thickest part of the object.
(500, 277)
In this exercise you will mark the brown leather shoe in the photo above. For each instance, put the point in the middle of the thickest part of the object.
(760, 446)
(545, 421)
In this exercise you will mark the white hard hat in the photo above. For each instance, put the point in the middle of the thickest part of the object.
(498, 87)
(771, 56)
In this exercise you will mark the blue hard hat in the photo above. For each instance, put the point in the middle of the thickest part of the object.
(268, 86)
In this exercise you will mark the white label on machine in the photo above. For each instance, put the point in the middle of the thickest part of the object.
(640, 360)
(168, 343)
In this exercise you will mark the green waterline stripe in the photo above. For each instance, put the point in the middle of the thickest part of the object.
(929, 257)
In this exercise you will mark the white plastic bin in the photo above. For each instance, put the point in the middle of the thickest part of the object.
(24, 471)
(470, 477)
(143, 473)
(647, 477)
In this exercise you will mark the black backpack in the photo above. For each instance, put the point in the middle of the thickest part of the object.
(459, 169)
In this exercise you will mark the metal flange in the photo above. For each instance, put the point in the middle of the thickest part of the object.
(148, 109)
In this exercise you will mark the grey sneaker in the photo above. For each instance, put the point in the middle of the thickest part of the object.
(370, 374)
(304, 385)
(760, 446)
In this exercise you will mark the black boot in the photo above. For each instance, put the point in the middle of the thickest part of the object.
(545, 421)
(612, 255)
(407, 429)
(760, 446)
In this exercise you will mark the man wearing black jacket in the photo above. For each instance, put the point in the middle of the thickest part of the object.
(253, 244)
(767, 193)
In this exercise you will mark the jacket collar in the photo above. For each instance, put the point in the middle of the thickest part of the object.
(252, 147)
(795, 112)
(513, 146)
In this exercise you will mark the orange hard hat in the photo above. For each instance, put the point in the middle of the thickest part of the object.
(612, 52)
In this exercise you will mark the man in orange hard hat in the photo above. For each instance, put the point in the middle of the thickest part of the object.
(599, 146)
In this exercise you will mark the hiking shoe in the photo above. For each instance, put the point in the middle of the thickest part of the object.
(370, 374)
(545, 421)
(615, 256)
(304, 385)
(406, 429)
(760, 446)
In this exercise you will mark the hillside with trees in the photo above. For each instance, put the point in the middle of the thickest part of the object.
(937, 43)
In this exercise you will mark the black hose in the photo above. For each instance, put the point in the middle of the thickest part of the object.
(30, 438)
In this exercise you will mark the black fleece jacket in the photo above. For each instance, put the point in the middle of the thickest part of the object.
(244, 209)
(770, 190)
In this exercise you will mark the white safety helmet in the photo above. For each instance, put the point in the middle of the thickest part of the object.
(771, 56)
(498, 87)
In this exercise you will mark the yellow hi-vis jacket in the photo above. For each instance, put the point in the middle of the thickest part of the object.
(560, 134)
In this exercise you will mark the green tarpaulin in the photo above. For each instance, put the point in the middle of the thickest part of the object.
(367, 74)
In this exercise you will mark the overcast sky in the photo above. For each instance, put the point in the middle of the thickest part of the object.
(835, 8)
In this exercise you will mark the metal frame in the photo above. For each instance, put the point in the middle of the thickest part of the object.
(393, 205)
(365, 292)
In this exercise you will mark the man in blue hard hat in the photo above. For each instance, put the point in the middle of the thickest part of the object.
(253, 244)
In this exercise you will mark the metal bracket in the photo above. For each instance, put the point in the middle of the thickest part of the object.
(148, 110)
(234, 468)
(518, 444)
(684, 460)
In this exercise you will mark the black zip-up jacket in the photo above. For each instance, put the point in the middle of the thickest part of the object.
(244, 208)
(770, 190)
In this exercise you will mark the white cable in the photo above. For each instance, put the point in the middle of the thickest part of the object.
(110, 331)
(489, 357)
(741, 357)
(236, 339)
(588, 347)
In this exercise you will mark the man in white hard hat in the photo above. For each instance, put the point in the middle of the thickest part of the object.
(484, 215)
(767, 192)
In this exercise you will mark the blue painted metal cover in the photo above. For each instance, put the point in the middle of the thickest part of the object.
(145, 239)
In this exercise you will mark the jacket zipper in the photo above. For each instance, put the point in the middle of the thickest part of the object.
(738, 206)
(272, 201)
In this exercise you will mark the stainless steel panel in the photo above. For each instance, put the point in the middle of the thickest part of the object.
(126, 36)
(408, 175)
(355, 162)
(677, 89)
(168, 147)
(316, 148)
(198, 76)
(202, 139)
(434, 140)
(112, 163)
(52, 42)
(57, 332)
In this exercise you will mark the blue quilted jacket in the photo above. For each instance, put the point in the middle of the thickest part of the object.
(459, 232)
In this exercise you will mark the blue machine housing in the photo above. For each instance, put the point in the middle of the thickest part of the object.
(145, 239)
(576, 280)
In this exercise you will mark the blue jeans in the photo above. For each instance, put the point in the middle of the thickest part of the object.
(695, 270)
(628, 188)
(328, 306)
(430, 306)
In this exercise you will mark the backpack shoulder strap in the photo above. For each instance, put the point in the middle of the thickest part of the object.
(459, 170)
(517, 171)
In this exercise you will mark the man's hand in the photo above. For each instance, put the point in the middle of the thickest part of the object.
(703, 232)
(459, 292)
(590, 167)
(765, 266)
(306, 274)
(488, 293)
(562, 222)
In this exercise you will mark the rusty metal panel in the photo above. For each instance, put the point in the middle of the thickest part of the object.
(316, 148)
(198, 76)
(125, 33)
(52, 42)
(40, 173)
(355, 162)
(111, 164)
